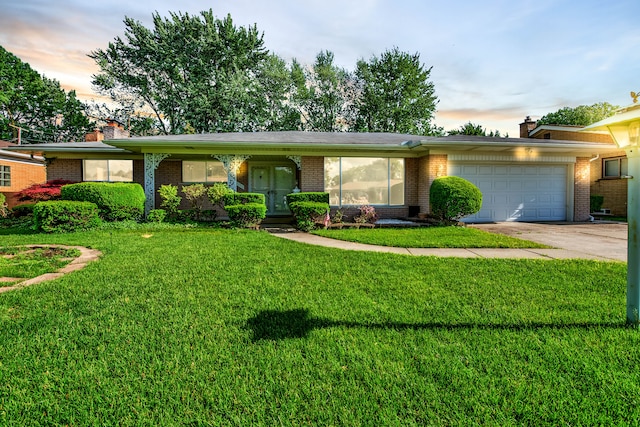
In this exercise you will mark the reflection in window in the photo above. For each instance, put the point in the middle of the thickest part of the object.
(614, 168)
(108, 170)
(197, 171)
(364, 181)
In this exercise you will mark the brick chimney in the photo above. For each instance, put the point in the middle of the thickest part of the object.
(94, 136)
(114, 130)
(527, 126)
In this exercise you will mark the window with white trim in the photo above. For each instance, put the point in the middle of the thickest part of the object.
(614, 167)
(5, 176)
(107, 170)
(364, 181)
(199, 171)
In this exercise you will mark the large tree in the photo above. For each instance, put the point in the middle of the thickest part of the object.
(37, 105)
(582, 115)
(195, 72)
(323, 94)
(395, 94)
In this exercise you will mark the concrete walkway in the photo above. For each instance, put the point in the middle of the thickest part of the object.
(573, 241)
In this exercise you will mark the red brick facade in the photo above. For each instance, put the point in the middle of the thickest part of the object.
(581, 191)
(23, 175)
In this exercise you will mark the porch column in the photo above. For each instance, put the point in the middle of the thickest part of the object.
(151, 162)
(231, 164)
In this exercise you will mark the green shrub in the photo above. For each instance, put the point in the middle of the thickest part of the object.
(156, 215)
(247, 215)
(596, 203)
(23, 210)
(64, 216)
(195, 195)
(234, 198)
(308, 214)
(170, 199)
(217, 192)
(116, 201)
(4, 211)
(310, 196)
(452, 198)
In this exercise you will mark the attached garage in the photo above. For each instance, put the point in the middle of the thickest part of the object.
(518, 192)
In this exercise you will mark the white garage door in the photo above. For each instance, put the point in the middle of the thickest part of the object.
(513, 192)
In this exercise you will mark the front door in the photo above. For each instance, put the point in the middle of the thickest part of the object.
(275, 181)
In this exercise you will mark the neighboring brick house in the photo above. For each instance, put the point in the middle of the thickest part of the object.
(18, 171)
(521, 180)
(608, 168)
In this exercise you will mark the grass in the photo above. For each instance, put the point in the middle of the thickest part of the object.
(214, 327)
(429, 237)
(23, 262)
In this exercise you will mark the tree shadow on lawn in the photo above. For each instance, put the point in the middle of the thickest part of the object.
(274, 325)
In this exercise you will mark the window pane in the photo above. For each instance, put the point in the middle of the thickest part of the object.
(396, 184)
(332, 179)
(611, 167)
(365, 181)
(623, 167)
(121, 170)
(193, 171)
(96, 170)
(215, 172)
(5, 176)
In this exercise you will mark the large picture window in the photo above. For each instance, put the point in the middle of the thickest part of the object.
(198, 171)
(108, 170)
(5, 176)
(364, 181)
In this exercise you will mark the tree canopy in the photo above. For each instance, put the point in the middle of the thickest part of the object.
(475, 129)
(197, 73)
(395, 94)
(582, 115)
(37, 105)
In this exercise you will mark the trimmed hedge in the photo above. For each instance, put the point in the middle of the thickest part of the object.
(23, 210)
(116, 201)
(63, 216)
(308, 214)
(309, 196)
(232, 199)
(452, 198)
(247, 215)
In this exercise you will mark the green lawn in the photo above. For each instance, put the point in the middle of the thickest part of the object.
(215, 327)
(429, 237)
(22, 262)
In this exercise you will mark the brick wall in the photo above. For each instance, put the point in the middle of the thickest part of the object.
(581, 193)
(614, 190)
(312, 174)
(411, 179)
(69, 169)
(429, 168)
(23, 175)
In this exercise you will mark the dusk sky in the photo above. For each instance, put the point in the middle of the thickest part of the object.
(494, 62)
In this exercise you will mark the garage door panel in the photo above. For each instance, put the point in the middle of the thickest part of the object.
(517, 192)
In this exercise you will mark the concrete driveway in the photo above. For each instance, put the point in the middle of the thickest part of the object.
(601, 239)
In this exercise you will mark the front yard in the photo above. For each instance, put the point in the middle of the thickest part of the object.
(220, 327)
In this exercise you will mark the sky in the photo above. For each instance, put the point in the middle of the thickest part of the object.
(493, 62)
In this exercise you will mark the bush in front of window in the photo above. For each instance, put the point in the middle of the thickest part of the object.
(116, 201)
(452, 198)
(308, 196)
(248, 215)
(234, 198)
(309, 214)
(62, 216)
(50, 190)
(170, 199)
